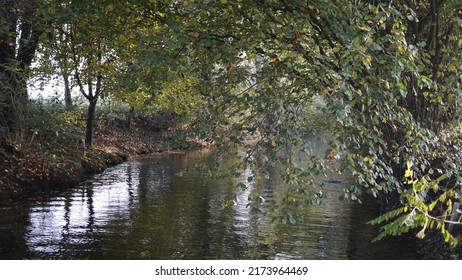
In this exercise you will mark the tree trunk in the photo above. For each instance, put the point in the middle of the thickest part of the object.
(90, 122)
(67, 93)
(13, 101)
(8, 22)
(129, 117)
(7, 105)
(20, 30)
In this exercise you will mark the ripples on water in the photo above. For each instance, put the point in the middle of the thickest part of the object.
(141, 210)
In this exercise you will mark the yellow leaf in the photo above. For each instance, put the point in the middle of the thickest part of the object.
(109, 8)
(367, 61)
(408, 173)
(362, 28)
(368, 159)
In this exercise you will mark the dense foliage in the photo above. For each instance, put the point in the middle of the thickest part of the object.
(389, 73)
(378, 80)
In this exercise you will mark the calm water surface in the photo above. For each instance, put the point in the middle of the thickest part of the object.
(142, 210)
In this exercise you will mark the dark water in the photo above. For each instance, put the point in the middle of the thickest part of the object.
(141, 210)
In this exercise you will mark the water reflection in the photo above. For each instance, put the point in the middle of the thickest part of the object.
(141, 210)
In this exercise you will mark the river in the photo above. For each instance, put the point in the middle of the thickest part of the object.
(142, 210)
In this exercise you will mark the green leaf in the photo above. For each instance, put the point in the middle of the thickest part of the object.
(241, 186)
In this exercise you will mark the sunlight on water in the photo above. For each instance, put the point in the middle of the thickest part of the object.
(84, 211)
(141, 210)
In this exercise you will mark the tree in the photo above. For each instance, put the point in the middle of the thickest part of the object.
(86, 49)
(106, 48)
(54, 57)
(21, 24)
(388, 71)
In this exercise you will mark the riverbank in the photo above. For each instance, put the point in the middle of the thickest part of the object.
(39, 167)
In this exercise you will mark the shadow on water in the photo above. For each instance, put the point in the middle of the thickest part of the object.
(141, 210)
